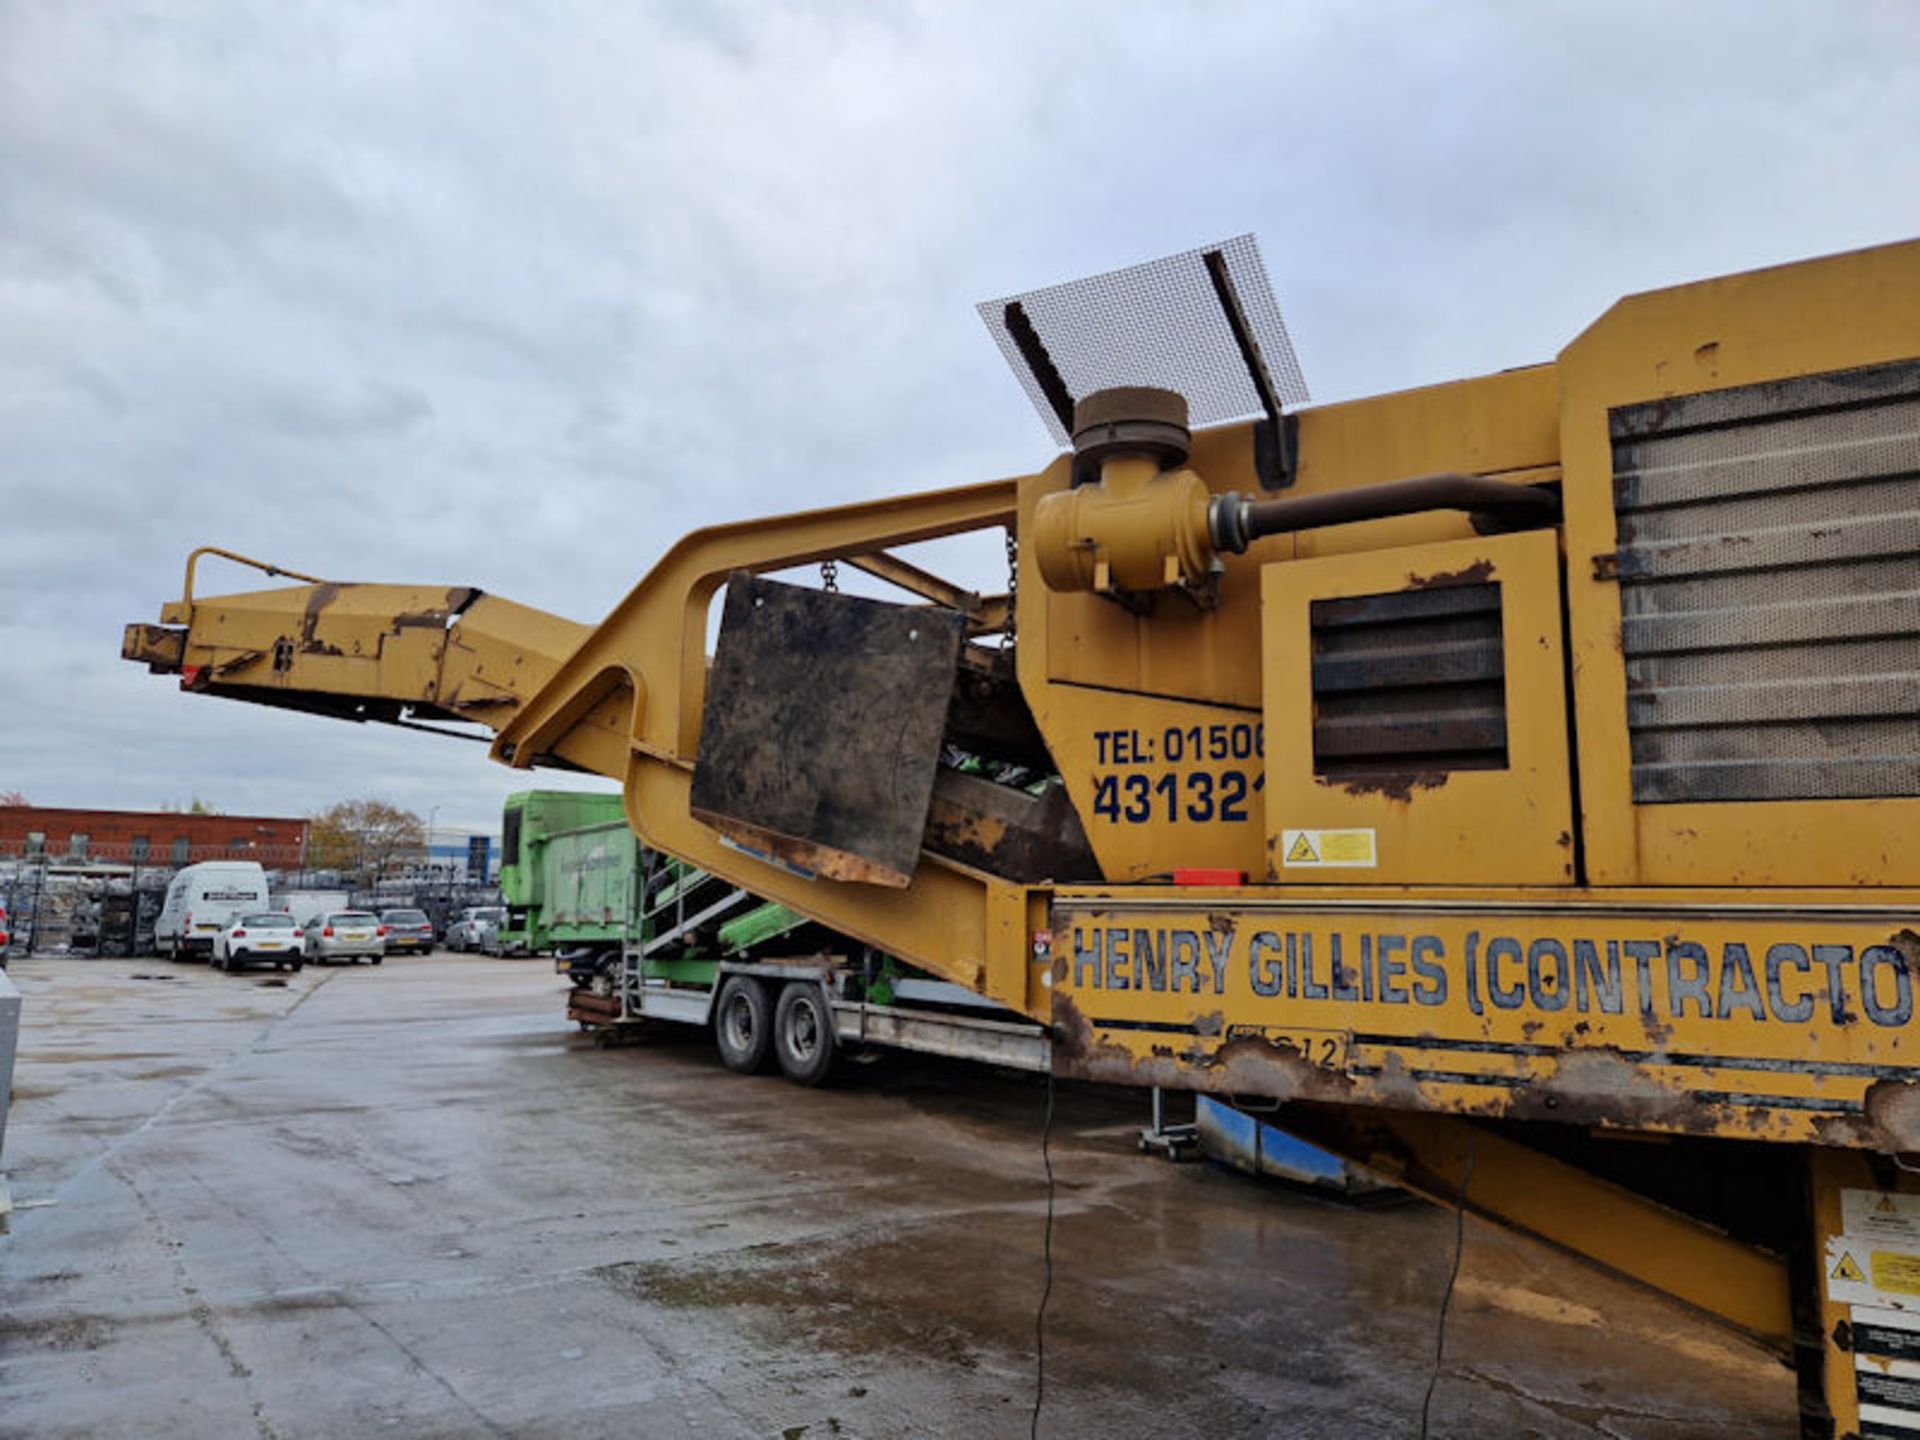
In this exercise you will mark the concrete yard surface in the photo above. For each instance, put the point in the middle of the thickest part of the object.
(413, 1201)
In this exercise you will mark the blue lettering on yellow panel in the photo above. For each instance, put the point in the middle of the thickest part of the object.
(1184, 774)
(1663, 980)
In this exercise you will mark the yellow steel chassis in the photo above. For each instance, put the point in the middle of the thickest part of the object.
(1723, 1007)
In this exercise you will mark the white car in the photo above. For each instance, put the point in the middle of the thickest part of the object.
(262, 937)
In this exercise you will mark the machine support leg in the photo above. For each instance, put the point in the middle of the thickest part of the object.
(1526, 1190)
(1804, 1277)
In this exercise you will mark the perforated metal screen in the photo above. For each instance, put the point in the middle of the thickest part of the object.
(1770, 588)
(1156, 324)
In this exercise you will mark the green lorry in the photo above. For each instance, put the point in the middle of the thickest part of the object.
(529, 825)
(646, 938)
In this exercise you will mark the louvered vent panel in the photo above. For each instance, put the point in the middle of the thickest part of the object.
(1409, 683)
(1770, 590)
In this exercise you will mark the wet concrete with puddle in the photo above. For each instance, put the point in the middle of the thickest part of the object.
(413, 1201)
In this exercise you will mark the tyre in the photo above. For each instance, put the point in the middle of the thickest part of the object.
(297, 966)
(803, 1034)
(376, 958)
(742, 1025)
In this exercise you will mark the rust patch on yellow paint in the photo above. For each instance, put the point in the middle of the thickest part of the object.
(1398, 785)
(1477, 573)
(1908, 944)
(317, 602)
(1245, 1065)
(1892, 1108)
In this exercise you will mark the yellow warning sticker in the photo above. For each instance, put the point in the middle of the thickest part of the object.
(1896, 1272)
(1863, 1267)
(1323, 849)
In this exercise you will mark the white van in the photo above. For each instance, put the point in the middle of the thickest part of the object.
(201, 901)
(303, 905)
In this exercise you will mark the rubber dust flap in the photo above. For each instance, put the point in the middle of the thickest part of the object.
(822, 728)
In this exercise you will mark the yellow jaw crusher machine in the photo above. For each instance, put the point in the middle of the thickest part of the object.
(1517, 780)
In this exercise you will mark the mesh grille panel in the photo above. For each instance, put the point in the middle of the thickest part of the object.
(1409, 682)
(1770, 595)
(1156, 324)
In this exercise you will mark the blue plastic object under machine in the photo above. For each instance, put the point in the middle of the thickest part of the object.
(1249, 1143)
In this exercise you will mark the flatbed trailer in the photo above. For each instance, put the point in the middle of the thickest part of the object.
(647, 940)
(1514, 779)
(812, 1010)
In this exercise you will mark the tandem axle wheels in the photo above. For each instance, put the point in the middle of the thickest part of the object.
(752, 1029)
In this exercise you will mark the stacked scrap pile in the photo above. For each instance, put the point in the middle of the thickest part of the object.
(81, 909)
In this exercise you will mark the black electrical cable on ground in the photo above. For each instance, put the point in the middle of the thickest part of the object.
(1046, 1260)
(1453, 1275)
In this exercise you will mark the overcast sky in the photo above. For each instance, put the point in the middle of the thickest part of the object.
(515, 295)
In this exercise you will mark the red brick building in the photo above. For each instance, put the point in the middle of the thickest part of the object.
(144, 837)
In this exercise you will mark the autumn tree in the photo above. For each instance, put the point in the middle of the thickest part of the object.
(13, 797)
(369, 838)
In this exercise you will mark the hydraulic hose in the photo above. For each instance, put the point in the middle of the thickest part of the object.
(1236, 521)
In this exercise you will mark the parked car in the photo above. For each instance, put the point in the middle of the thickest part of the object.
(6, 939)
(475, 927)
(408, 931)
(260, 937)
(344, 935)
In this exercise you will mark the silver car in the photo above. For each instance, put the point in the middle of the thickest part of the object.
(475, 927)
(344, 935)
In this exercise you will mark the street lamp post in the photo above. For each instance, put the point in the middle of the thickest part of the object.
(432, 864)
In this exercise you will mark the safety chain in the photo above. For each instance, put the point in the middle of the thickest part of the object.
(830, 576)
(1013, 589)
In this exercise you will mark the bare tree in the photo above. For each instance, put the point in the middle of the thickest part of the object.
(368, 838)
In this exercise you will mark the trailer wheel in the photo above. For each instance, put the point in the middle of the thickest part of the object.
(803, 1034)
(742, 1027)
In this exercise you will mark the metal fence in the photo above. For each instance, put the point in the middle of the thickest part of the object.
(100, 907)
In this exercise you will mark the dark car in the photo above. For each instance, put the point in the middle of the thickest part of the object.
(407, 931)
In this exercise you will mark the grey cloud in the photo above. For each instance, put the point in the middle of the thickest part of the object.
(516, 296)
(367, 407)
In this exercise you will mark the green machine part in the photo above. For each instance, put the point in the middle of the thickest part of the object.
(759, 926)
